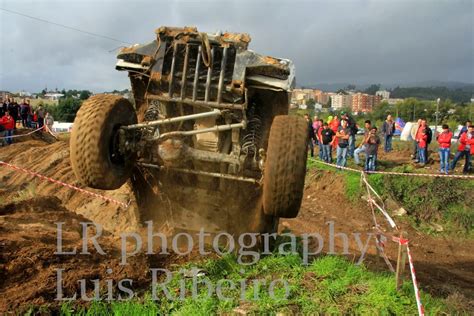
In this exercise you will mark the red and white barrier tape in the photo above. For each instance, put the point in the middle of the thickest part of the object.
(381, 208)
(70, 186)
(421, 310)
(407, 174)
(432, 175)
(335, 166)
(22, 135)
(419, 305)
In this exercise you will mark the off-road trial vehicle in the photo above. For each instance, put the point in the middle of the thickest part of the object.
(206, 140)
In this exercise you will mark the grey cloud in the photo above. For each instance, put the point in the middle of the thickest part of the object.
(330, 41)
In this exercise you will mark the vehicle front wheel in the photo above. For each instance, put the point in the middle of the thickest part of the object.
(285, 166)
(95, 157)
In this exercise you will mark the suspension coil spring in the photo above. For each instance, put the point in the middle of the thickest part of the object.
(152, 113)
(252, 138)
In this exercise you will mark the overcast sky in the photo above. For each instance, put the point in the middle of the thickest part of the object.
(330, 41)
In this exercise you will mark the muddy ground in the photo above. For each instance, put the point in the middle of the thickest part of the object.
(30, 209)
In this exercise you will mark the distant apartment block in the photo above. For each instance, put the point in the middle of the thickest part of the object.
(339, 101)
(321, 97)
(363, 103)
(301, 96)
(384, 94)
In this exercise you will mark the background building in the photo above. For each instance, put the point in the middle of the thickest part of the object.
(384, 94)
(339, 101)
(321, 97)
(363, 103)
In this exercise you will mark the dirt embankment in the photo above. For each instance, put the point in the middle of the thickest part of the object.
(52, 160)
(29, 265)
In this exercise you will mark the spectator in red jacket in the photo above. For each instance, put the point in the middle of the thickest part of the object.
(444, 140)
(465, 148)
(422, 140)
(9, 123)
(334, 125)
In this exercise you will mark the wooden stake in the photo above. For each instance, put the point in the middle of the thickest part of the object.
(401, 261)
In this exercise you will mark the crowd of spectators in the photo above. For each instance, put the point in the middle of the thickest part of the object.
(339, 135)
(14, 115)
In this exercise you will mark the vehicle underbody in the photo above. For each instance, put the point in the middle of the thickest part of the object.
(204, 108)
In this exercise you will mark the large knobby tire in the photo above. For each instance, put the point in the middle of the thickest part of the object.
(93, 145)
(285, 166)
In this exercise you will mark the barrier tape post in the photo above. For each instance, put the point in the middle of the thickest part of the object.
(401, 260)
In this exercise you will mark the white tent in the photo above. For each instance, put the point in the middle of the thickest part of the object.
(406, 132)
(59, 127)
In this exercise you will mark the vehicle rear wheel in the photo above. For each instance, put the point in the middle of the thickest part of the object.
(285, 166)
(95, 157)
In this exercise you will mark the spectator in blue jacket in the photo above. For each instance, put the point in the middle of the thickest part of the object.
(388, 129)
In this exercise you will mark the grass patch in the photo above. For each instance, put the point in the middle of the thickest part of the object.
(430, 202)
(441, 201)
(329, 284)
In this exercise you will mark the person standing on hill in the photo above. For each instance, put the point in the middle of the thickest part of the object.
(2, 134)
(29, 119)
(429, 138)
(422, 139)
(5, 105)
(325, 140)
(334, 125)
(317, 132)
(316, 127)
(413, 132)
(40, 113)
(465, 148)
(352, 125)
(2, 111)
(464, 128)
(13, 109)
(311, 135)
(388, 129)
(361, 148)
(342, 136)
(444, 141)
(423, 129)
(49, 121)
(9, 123)
(371, 149)
(24, 110)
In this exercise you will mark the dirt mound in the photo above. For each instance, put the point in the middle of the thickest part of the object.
(52, 160)
(28, 263)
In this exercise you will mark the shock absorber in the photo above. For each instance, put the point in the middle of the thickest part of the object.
(253, 133)
(153, 112)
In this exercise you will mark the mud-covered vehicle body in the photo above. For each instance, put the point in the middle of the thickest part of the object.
(209, 129)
